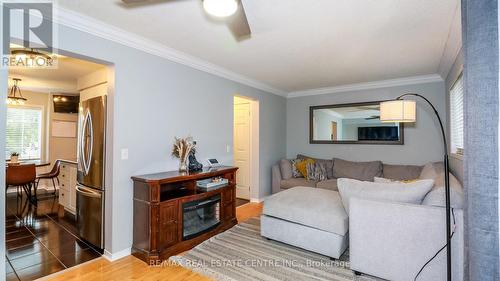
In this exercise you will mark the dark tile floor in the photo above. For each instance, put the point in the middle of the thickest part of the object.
(42, 239)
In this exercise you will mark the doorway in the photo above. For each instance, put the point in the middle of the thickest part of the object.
(41, 137)
(334, 130)
(245, 152)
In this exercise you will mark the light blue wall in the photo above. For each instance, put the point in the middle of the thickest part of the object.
(156, 99)
(323, 125)
(422, 141)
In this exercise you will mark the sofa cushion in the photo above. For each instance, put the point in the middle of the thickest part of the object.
(431, 170)
(328, 164)
(364, 171)
(293, 182)
(318, 208)
(330, 184)
(286, 169)
(401, 172)
(436, 196)
(394, 192)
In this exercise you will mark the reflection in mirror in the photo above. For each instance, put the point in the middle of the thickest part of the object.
(352, 123)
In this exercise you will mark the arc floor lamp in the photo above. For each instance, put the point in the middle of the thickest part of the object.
(401, 110)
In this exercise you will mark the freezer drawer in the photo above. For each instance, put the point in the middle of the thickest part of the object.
(90, 216)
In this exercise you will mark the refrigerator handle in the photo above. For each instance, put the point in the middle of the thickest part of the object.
(87, 157)
(87, 192)
(81, 144)
(91, 151)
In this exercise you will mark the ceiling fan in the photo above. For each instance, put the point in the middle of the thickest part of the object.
(231, 12)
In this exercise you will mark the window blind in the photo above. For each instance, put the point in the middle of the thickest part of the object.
(457, 116)
(24, 132)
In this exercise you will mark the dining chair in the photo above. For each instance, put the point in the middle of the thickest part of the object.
(23, 176)
(53, 174)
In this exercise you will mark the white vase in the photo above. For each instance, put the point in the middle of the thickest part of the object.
(14, 159)
(183, 165)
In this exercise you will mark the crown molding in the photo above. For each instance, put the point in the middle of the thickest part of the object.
(453, 44)
(411, 80)
(104, 30)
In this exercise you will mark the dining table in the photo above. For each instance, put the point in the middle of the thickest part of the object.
(38, 163)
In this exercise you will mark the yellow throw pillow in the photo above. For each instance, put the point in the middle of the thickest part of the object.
(302, 166)
(385, 180)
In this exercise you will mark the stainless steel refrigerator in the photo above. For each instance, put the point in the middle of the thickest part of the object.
(90, 189)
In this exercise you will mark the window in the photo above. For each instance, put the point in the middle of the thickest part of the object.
(457, 116)
(24, 132)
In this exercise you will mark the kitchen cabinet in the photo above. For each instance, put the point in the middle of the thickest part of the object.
(67, 186)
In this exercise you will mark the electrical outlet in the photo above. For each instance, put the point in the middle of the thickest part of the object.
(124, 153)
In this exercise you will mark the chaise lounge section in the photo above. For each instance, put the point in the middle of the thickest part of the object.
(312, 219)
(390, 240)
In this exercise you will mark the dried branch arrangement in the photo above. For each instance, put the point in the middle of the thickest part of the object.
(181, 149)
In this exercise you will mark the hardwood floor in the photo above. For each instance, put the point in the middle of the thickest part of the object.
(131, 268)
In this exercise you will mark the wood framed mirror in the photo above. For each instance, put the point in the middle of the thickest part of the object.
(352, 123)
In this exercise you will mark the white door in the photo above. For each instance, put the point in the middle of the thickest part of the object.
(242, 147)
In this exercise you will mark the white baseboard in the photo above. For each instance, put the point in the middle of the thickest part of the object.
(258, 200)
(118, 255)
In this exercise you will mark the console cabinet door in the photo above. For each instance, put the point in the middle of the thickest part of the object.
(168, 224)
(228, 204)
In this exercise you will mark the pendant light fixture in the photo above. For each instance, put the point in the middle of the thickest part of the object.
(31, 58)
(14, 98)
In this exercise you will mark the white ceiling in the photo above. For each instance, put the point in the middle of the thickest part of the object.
(68, 69)
(62, 78)
(298, 45)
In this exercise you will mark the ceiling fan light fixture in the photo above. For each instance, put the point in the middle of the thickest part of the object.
(220, 8)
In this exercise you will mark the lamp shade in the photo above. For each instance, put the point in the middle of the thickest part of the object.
(398, 111)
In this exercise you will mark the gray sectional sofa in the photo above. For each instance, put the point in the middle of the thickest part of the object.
(387, 239)
(282, 178)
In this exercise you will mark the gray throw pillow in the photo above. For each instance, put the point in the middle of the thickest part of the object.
(327, 163)
(413, 192)
(364, 171)
(436, 197)
(286, 169)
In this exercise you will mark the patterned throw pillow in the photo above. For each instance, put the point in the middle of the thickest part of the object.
(316, 171)
(302, 166)
(295, 172)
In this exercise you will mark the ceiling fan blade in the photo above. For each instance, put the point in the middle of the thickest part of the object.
(238, 24)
